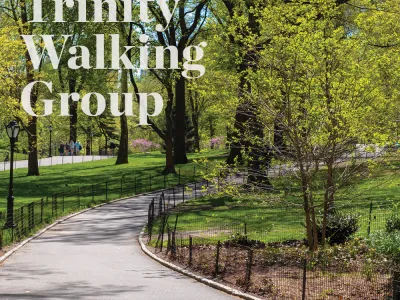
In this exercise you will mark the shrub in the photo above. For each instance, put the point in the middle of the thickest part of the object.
(239, 239)
(339, 227)
(386, 243)
(393, 223)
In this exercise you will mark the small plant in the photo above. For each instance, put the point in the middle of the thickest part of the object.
(386, 243)
(239, 239)
(393, 223)
(339, 227)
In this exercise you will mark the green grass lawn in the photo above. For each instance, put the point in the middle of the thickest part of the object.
(63, 189)
(277, 217)
(65, 178)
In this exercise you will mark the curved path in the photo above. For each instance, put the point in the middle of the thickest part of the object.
(96, 256)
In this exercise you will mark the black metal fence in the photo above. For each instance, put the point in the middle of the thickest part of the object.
(231, 249)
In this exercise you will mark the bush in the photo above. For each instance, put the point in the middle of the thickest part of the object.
(393, 224)
(339, 227)
(386, 243)
(239, 239)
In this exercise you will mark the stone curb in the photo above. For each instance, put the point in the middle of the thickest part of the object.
(21, 244)
(185, 272)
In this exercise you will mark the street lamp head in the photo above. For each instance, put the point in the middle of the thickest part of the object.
(91, 134)
(12, 130)
(50, 128)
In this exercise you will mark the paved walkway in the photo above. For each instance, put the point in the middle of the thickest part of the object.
(55, 160)
(96, 256)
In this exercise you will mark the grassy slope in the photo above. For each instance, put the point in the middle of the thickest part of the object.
(60, 178)
(270, 219)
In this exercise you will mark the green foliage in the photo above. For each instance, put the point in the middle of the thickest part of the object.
(386, 243)
(393, 224)
(339, 227)
(239, 239)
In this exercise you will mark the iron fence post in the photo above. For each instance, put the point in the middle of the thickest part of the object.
(22, 220)
(135, 187)
(190, 250)
(106, 190)
(370, 218)
(79, 198)
(173, 193)
(303, 297)
(217, 260)
(179, 176)
(248, 269)
(396, 285)
(41, 210)
(121, 186)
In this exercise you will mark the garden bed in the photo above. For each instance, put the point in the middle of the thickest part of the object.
(277, 271)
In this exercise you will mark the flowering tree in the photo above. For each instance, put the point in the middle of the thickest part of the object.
(216, 142)
(144, 145)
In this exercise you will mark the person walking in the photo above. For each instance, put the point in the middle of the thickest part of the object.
(72, 147)
(61, 149)
(78, 147)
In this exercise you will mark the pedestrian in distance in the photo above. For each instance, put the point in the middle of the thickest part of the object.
(72, 147)
(61, 149)
(78, 147)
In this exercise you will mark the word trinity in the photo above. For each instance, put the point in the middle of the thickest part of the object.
(110, 12)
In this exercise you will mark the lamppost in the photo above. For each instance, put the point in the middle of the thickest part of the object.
(91, 142)
(50, 130)
(12, 131)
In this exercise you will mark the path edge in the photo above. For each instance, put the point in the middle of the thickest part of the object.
(199, 278)
(40, 232)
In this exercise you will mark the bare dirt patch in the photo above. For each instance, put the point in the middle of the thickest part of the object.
(281, 277)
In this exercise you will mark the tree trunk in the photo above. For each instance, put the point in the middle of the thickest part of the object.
(167, 137)
(328, 198)
(73, 110)
(123, 141)
(33, 166)
(195, 121)
(180, 124)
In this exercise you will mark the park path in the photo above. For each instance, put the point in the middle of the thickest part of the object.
(55, 160)
(95, 255)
